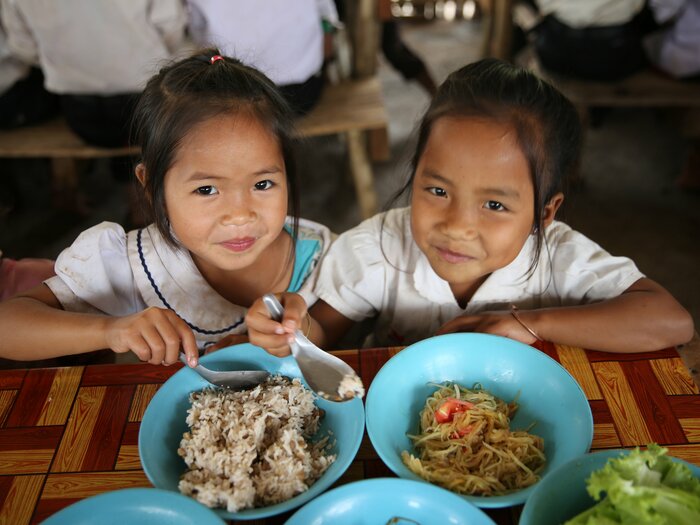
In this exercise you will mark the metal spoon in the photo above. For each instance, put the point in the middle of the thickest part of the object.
(235, 379)
(327, 375)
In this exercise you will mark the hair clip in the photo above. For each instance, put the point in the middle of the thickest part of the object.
(215, 58)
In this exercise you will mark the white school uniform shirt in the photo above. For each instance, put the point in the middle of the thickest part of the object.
(96, 47)
(590, 13)
(377, 270)
(109, 271)
(281, 38)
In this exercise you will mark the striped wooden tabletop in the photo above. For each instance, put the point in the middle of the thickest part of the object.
(70, 433)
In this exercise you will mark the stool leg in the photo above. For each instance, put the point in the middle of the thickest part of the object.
(65, 186)
(379, 144)
(362, 173)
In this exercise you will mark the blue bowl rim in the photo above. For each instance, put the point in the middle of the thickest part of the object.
(128, 494)
(591, 458)
(317, 488)
(380, 483)
(505, 500)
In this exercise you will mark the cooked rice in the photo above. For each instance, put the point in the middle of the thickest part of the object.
(252, 448)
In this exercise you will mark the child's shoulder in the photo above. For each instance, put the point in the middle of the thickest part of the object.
(374, 238)
(560, 233)
(394, 223)
(103, 234)
(310, 230)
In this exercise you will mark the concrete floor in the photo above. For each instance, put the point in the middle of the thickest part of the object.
(627, 202)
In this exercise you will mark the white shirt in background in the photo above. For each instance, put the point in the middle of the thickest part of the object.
(377, 270)
(282, 38)
(588, 13)
(99, 47)
(11, 68)
(676, 49)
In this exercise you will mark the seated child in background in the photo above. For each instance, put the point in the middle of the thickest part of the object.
(480, 237)
(219, 177)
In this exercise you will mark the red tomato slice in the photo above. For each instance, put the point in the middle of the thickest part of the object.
(449, 407)
(461, 432)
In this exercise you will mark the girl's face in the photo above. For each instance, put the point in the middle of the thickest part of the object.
(472, 201)
(226, 193)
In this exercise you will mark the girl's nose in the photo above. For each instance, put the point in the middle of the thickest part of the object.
(461, 222)
(237, 211)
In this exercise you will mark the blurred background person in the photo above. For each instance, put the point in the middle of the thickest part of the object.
(23, 98)
(285, 40)
(97, 57)
(595, 39)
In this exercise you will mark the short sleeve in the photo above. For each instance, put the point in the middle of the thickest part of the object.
(352, 275)
(584, 272)
(94, 274)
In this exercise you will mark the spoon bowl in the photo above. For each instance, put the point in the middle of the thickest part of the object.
(234, 379)
(327, 375)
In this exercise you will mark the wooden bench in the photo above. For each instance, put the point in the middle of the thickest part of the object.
(352, 108)
(647, 88)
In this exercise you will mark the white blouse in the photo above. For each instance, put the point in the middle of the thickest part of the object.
(109, 271)
(377, 270)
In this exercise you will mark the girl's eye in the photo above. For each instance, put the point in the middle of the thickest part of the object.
(495, 206)
(207, 190)
(264, 185)
(438, 192)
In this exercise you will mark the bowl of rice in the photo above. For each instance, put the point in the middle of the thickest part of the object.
(483, 416)
(247, 454)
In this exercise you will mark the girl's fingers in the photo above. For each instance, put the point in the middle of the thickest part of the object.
(140, 348)
(153, 337)
(280, 351)
(187, 342)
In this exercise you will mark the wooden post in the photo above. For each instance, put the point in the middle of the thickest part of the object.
(499, 34)
(363, 27)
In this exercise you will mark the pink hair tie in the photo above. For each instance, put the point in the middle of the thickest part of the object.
(215, 58)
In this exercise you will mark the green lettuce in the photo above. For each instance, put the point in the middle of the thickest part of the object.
(645, 487)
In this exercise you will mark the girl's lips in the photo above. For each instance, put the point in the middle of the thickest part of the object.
(453, 257)
(239, 245)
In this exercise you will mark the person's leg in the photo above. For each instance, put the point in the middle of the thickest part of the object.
(689, 179)
(303, 97)
(27, 102)
(403, 59)
(99, 120)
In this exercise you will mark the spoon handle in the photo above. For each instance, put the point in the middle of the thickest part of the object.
(273, 306)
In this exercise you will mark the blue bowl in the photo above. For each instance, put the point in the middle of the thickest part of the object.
(562, 494)
(164, 423)
(547, 396)
(378, 500)
(139, 506)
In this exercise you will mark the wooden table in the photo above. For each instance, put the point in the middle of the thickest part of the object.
(69, 433)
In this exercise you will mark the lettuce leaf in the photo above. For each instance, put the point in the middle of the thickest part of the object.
(645, 487)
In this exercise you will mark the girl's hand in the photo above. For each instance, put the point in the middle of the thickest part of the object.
(496, 323)
(155, 335)
(271, 335)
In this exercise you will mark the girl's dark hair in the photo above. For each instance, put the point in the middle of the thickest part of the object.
(189, 91)
(546, 123)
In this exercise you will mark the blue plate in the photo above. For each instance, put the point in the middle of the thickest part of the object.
(562, 494)
(373, 501)
(136, 507)
(547, 395)
(164, 423)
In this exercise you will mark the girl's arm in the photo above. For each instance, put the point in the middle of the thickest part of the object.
(34, 326)
(645, 317)
(323, 325)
